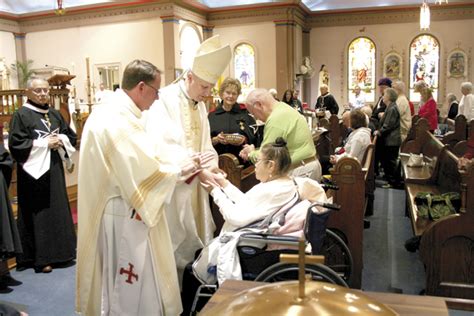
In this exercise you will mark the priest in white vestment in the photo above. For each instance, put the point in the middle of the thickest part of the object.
(125, 262)
(179, 122)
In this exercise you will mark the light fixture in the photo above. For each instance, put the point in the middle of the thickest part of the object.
(424, 16)
(59, 10)
(441, 1)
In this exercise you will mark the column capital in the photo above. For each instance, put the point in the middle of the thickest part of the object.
(19, 35)
(284, 22)
(170, 19)
(208, 28)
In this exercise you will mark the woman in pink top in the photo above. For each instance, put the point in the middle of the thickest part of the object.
(428, 106)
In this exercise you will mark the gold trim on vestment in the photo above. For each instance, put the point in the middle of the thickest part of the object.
(141, 193)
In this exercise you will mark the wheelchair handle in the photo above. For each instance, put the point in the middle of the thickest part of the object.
(329, 186)
(331, 206)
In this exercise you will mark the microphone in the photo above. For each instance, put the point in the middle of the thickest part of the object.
(58, 67)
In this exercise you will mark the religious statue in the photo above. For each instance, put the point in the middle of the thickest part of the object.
(5, 74)
(323, 76)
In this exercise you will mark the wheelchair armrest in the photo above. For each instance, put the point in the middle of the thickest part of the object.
(272, 239)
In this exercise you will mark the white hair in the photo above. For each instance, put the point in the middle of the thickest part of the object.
(467, 86)
(399, 86)
(451, 97)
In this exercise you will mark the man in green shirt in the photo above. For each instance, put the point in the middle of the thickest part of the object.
(283, 121)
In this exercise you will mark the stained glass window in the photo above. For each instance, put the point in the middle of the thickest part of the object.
(424, 64)
(361, 65)
(189, 43)
(244, 67)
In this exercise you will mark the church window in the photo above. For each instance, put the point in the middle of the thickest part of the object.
(424, 64)
(361, 68)
(244, 67)
(189, 43)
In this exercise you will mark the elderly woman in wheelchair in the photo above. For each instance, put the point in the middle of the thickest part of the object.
(278, 205)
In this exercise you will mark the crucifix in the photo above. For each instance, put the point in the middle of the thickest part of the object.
(301, 258)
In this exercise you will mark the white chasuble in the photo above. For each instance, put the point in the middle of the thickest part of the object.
(181, 128)
(125, 266)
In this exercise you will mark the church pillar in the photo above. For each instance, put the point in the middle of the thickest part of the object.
(285, 54)
(306, 95)
(171, 44)
(20, 46)
(207, 32)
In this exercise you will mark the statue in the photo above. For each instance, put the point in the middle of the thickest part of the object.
(323, 76)
(5, 74)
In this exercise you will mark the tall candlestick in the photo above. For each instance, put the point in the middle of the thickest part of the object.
(88, 85)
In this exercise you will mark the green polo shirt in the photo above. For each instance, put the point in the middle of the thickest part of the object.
(286, 122)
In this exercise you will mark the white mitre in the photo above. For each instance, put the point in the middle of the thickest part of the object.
(211, 59)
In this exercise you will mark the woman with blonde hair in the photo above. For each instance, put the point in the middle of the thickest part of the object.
(428, 108)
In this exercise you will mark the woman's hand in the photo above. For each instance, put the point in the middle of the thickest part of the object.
(219, 139)
(332, 159)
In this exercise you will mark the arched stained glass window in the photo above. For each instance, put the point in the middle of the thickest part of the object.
(189, 42)
(424, 64)
(361, 65)
(244, 67)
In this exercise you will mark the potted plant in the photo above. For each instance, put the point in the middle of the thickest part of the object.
(24, 72)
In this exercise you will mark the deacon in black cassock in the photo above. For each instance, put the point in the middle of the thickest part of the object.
(10, 244)
(40, 140)
(326, 100)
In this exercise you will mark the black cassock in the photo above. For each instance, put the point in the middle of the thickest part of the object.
(44, 217)
(10, 244)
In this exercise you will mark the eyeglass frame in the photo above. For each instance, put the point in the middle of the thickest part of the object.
(156, 90)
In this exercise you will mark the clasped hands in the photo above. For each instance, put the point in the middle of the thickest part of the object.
(54, 142)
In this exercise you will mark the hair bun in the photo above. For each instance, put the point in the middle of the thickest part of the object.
(279, 142)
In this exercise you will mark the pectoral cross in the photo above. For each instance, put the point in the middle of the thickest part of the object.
(301, 258)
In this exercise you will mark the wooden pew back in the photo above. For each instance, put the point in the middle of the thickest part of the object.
(447, 247)
(348, 175)
(461, 147)
(459, 133)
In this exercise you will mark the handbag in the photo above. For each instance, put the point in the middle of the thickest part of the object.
(437, 206)
(415, 160)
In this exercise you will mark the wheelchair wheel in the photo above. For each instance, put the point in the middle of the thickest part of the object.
(289, 271)
(337, 255)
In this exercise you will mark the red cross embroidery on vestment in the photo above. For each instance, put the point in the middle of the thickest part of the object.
(136, 215)
(130, 273)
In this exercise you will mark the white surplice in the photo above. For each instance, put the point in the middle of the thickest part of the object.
(181, 128)
(119, 172)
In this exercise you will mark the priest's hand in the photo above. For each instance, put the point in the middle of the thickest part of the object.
(190, 166)
(207, 160)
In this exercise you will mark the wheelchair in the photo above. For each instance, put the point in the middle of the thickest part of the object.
(262, 265)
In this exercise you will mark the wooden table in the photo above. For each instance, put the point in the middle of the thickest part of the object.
(402, 304)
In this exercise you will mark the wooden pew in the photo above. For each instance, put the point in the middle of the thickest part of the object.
(423, 143)
(348, 175)
(459, 133)
(336, 131)
(460, 148)
(447, 246)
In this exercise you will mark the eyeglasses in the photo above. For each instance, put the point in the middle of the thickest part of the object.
(156, 90)
(258, 160)
(40, 90)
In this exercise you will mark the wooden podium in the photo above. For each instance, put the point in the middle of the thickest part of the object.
(59, 94)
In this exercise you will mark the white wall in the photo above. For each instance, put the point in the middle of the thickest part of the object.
(8, 51)
(262, 37)
(105, 43)
(329, 46)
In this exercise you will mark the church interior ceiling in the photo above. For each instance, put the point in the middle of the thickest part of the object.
(19, 7)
